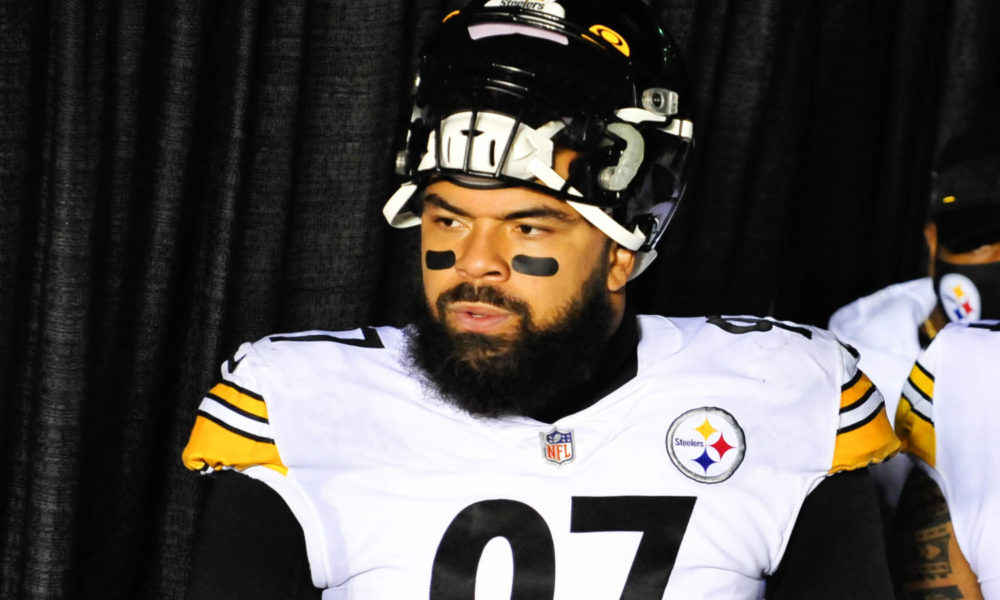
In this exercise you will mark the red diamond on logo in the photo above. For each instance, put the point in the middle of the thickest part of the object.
(721, 446)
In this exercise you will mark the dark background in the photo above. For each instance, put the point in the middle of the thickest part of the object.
(178, 177)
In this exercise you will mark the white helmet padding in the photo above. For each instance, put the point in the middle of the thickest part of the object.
(481, 144)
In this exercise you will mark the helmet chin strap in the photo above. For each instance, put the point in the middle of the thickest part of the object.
(632, 240)
(393, 211)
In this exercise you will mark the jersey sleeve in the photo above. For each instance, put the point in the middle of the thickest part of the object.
(915, 415)
(864, 433)
(231, 428)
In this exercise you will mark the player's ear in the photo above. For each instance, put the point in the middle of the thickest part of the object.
(622, 261)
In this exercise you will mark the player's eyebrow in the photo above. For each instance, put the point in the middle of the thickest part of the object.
(440, 202)
(535, 212)
(541, 212)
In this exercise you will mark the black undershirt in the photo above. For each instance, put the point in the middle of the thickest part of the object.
(250, 545)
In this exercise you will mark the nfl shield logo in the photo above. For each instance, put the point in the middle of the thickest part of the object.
(557, 446)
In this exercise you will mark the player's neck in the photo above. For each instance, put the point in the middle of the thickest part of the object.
(617, 303)
(937, 320)
(931, 326)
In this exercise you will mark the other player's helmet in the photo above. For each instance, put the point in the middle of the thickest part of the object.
(965, 190)
(965, 206)
(506, 82)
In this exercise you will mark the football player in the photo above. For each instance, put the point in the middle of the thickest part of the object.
(948, 514)
(527, 437)
(890, 327)
(962, 231)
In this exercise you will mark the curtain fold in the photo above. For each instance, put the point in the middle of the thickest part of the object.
(177, 178)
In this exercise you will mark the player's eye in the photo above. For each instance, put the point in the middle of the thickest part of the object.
(530, 230)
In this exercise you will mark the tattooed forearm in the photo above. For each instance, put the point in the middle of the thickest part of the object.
(930, 565)
(927, 553)
(945, 593)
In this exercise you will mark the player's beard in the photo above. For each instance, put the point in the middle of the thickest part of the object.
(533, 371)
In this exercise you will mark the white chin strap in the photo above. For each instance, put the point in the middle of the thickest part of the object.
(529, 158)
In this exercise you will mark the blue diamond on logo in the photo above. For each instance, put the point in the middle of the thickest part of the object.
(705, 461)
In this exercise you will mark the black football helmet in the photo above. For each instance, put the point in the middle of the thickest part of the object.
(965, 187)
(505, 82)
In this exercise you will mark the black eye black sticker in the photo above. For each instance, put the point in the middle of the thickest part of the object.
(439, 261)
(531, 265)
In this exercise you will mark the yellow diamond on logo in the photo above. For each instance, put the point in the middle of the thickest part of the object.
(957, 290)
(706, 429)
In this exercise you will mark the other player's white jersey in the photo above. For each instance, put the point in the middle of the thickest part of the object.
(685, 482)
(883, 327)
(948, 416)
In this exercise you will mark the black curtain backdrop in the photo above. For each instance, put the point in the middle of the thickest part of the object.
(176, 178)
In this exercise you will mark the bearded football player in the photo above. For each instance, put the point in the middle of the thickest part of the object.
(527, 436)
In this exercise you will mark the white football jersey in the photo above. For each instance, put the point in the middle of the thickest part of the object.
(947, 417)
(684, 482)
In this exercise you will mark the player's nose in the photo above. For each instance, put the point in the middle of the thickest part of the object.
(481, 257)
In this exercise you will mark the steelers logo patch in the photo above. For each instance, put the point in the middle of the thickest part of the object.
(706, 444)
(960, 298)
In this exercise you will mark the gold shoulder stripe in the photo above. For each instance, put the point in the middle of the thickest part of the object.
(860, 403)
(241, 399)
(872, 443)
(864, 434)
(918, 390)
(213, 445)
(915, 416)
(853, 390)
(915, 432)
(231, 430)
(922, 380)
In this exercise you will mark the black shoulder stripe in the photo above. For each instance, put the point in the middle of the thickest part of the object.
(868, 419)
(917, 411)
(857, 377)
(864, 398)
(238, 432)
(923, 370)
(371, 339)
(236, 409)
(850, 349)
(913, 385)
(242, 390)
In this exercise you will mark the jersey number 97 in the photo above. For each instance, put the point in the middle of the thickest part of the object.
(662, 521)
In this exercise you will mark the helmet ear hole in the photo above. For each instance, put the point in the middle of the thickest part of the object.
(660, 101)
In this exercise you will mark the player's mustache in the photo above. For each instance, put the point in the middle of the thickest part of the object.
(466, 292)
